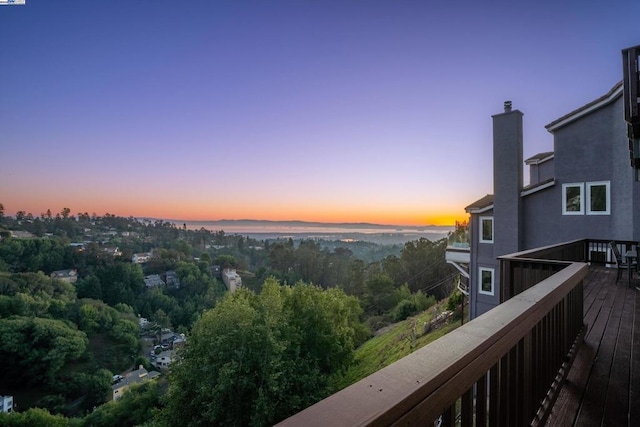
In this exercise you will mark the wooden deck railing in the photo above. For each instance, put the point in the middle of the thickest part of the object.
(522, 270)
(500, 369)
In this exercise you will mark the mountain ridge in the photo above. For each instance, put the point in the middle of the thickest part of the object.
(298, 223)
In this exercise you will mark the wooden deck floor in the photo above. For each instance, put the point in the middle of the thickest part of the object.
(603, 385)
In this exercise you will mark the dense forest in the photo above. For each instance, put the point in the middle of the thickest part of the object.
(253, 356)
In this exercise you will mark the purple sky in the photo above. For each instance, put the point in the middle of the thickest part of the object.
(324, 111)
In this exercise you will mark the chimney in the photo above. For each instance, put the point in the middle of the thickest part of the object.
(507, 181)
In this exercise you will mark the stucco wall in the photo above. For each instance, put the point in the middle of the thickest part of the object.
(593, 148)
(483, 255)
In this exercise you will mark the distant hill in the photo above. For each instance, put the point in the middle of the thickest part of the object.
(251, 223)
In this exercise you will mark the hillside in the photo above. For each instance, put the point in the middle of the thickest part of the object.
(396, 341)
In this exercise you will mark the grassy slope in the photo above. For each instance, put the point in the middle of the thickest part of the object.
(394, 344)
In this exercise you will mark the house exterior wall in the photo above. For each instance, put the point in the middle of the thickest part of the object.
(546, 170)
(164, 359)
(6, 404)
(591, 148)
(540, 172)
(595, 148)
(482, 257)
(231, 279)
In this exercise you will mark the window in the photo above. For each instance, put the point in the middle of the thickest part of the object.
(599, 198)
(486, 229)
(572, 199)
(486, 281)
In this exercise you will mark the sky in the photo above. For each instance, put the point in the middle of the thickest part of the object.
(332, 111)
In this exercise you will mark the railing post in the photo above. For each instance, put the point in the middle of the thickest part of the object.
(466, 409)
(527, 377)
(449, 416)
(494, 395)
(481, 402)
(506, 290)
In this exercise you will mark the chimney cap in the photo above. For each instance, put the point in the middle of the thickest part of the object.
(507, 106)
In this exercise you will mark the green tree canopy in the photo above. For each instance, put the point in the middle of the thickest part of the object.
(34, 294)
(32, 255)
(379, 294)
(136, 407)
(255, 359)
(33, 350)
(36, 417)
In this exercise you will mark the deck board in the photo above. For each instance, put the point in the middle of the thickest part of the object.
(634, 387)
(617, 404)
(603, 385)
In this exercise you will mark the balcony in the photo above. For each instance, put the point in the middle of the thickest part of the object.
(562, 349)
(458, 254)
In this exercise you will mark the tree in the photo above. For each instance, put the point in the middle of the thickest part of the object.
(205, 257)
(256, 359)
(356, 278)
(34, 254)
(379, 294)
(308, 260)
(423, 263)
(34, 350)
(136, 407)
(35, 417)
(94, 386)
(121, 282)
(34, 294)
(89, 287)
(227, 261)
(281, 257)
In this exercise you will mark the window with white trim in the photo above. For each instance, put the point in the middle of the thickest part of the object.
(486, 280)
(572, 199)
(486, 229)
(598, 198)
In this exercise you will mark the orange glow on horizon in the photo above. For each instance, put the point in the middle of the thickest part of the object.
(197, 207)
(186, 212)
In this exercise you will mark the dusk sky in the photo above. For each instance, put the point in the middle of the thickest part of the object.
(336, 111)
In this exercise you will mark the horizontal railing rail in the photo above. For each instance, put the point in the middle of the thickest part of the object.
(458, 249)
(499, 369)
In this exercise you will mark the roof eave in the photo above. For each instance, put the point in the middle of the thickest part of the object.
(479, 210)
(607, 99)
(538, 187)
(536, 161)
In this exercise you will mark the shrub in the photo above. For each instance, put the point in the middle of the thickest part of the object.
(423, 302)
(404, 309)
(378, 322)
(455, 299)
